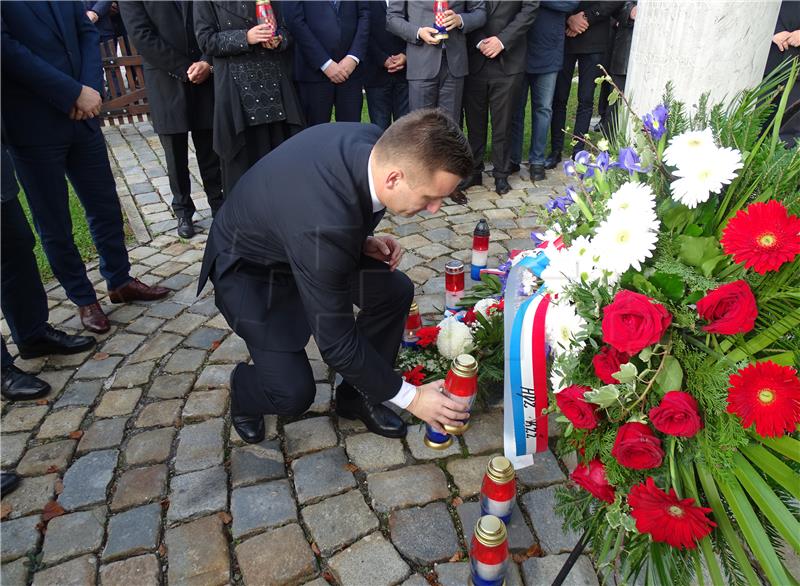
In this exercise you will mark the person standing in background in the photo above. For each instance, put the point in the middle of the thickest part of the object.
(331, 42)
(618, 62)
(180, 92)
(496, 73)
(385, 70)
(255, 104)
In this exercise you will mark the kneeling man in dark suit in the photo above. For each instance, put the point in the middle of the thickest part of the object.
(292, 251)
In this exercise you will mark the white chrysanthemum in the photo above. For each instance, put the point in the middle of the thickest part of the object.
(572, 265)
(635, 199)
(483, 306)
(621, 243)
(562, 328)
(556, 381)
(454, 338)
(688, 146)
(705, 175)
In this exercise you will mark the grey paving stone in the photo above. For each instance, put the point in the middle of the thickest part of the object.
(185, 360)
(198, 561)
(215, 376)
(94, 368)
(87, 480)
(139, 486)
(262, 506)
(79, 393)
(156, 347)
(457, 574)
(132, 532)
(132, 375)
(197, 493)
(204, 338)
(321, 474)
(125, 314)
(53, 456)
(200, 446)
(165, 309)
(468, 474)
(24, 418)
(11, 448)
(20, 537)
(61, 423)
(322, 399)
(159, 414)
(72, 535)
(290, 561)
(540, 506)
(233, 349)
(171, 386)
(122, 344)
(404, 487)
(177, 282)
(485, 433)
(149, 446)
(15, 573)
(324, 521)
(115, 403)
(78, 572)
(185, 324)
(143, 569)
(373, 560)
(434, 522)
(102, 434)
(371, 452)
(544, 571)
(257, 463)
(543, 472)
(205, 307)
(204, 404)
(520, 537)
(31, 495)
(309, 435)
(416, 580)
(57, 379)
(415, 440)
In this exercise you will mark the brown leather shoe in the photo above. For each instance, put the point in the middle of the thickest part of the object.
(93, 318)
(135, 290)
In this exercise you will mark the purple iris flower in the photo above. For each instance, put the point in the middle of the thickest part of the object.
(630, 161)
(537, 240)
(505, 267)
(655, 122)
(602, 161)
(569, 168)
(583, 158)
(562, 202)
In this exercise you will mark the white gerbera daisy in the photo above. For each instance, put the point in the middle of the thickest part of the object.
(633, 198)
(563, 327)
(571, 265)
(454, 338)
(705, 175)
(688, 146)
(483, 306)
(621, 243)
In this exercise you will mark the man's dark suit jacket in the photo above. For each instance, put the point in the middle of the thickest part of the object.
(163, 32)
(596, 38)
(49, 52)
(382, 45)
(509, 21)
(323, 31)
(295, 225)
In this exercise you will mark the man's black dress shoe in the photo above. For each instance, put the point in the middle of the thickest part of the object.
(476, 179)
(53, 341)
(8, 482)
(514, 167)
(21, 386)
(378, 418)
(185, 228)
(537, 173)
(249, 427)
(552, 161)
(501, 186)
(459, 198)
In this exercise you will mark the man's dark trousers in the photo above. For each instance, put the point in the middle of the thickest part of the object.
(388, 101)
(588, 71)
(176, 152)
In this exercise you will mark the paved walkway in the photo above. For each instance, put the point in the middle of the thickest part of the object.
(134, 445)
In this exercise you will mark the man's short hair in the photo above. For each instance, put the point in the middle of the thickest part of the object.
(429, 140)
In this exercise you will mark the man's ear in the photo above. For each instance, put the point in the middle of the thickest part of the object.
(393, 178)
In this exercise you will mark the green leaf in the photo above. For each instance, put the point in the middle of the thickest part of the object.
(694, 297)
(705, 544)
(693, 230)
(772, 465)
(695, 250)
(670, 285)
(709, 266)
(788, 323)
(677, 216)
(643, 285)
(670, 377)
(785, 445)
(646, 354)
(605, 396)
(627, 373)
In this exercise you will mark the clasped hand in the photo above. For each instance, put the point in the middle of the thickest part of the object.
(435, 408)
(383, 248)
(87, 105)
(491, 47)
(786, 39)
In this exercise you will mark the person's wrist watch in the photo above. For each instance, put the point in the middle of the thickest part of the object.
(211, 70)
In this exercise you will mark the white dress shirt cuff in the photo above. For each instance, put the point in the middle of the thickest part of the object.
(404, 396)
(326, 64)
(354, 58)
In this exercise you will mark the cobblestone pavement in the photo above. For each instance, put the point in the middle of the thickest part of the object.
(134, 443)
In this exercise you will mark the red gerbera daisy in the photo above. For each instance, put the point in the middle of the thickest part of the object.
(763, 236)
(427, 336)
(415, 376)
(667, 518)
(768, 395)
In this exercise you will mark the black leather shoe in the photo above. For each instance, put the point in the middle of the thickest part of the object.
(53, 341)
(501, 186)
(378, 418)
(537, 173)
(8, 482)
(185, 228)
(552, 161)
(21, 386)
(249, 427)
(476, 179)
(513, 168)
(459, 197)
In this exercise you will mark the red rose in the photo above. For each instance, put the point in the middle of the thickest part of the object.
(572, 404)
(469, 317)
(607, 362)
(677, 415)
(637, 447)
(729, 309)
(634, 321)
(415, 376)
(427, 336)
(592, 477)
